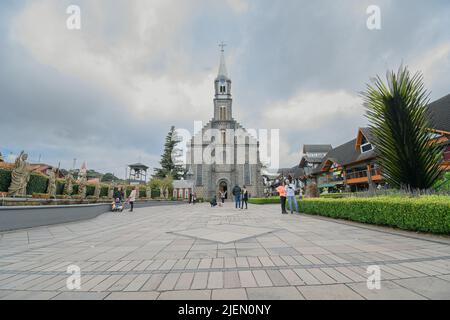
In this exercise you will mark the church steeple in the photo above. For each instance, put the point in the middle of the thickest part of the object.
(222, 82)
(222, 86)
(222, 67)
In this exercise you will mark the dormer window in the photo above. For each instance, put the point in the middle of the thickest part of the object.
(366, 147)
(363, 143)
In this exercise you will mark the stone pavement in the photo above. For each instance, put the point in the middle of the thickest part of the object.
(195, 252)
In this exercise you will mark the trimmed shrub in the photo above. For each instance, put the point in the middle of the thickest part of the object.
(336, 195)
(142, 193)
(425, 214)
(5, 180)
(60, 187)
(75, 189)
(37, 184)
(90, 190)
(104, 191)
(156, 193)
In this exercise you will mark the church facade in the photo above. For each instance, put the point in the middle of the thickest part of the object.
(224, 154)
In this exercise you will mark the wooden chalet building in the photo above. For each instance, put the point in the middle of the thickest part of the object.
(353, 166)
(440, 118)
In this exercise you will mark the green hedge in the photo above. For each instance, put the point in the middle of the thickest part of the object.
(142, 193)
(37, 184)
(90, 190)
(156, 193)
(426, 213)
(336, 195)
(60, 187)
(5, 179)
(104, 191)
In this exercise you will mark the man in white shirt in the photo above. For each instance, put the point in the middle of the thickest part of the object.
(290, 193)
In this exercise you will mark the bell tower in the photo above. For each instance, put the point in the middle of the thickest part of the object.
(222, 87)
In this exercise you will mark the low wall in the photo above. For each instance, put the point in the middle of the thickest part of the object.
(22, 217)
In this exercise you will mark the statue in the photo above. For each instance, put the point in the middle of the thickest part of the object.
(97, 191)
(51, 188)
(19, 177)
(68, 186)
(1, 158)
(111, 191)
(82, 185)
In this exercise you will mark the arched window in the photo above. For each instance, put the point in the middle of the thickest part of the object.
(223, 113)
(224, 137)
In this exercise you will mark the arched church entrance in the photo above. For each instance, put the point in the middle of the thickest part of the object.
(223, 187)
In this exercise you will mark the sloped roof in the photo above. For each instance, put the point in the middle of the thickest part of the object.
(314, 148)
(440, 114)
(295, 172)
(138, 166)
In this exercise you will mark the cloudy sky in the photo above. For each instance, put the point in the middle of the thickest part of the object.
(108, 93)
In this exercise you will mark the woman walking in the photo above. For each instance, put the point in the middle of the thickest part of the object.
(132, 198)
(282, 193)
(223, 195)
(244, 198)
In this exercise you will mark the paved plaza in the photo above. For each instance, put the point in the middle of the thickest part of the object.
(195, 252)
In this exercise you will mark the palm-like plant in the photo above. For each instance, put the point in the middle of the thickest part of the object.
(400, 121)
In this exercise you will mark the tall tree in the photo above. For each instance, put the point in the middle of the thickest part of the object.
(169, 165)
(400, 121)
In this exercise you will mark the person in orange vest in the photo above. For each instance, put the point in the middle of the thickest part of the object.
(282, 192)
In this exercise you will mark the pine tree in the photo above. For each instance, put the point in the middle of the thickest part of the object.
(169, 168)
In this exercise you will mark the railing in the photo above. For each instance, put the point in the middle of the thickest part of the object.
(363, 173)
(357, 174)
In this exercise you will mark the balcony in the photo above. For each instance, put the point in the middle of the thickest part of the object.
(361, 176)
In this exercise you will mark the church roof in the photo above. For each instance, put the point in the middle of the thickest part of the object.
(138, 166)
(440, 114)
(223, 73)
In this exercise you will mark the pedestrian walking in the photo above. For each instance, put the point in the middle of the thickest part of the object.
(132, 198)
(223, 195)
(282, 192)
(237, 196)
(244, 198)
(290, 193)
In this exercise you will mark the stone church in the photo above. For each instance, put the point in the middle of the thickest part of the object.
(224, 154)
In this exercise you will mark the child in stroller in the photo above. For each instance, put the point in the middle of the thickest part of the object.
(117, 205)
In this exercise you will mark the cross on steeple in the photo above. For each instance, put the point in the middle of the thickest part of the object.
(222, 45)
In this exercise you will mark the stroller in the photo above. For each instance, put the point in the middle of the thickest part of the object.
(117, 205)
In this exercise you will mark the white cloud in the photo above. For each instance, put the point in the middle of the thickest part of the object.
(313, 117)
(313, 110)
(239, 6)
(122, 63)
(435, 65)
